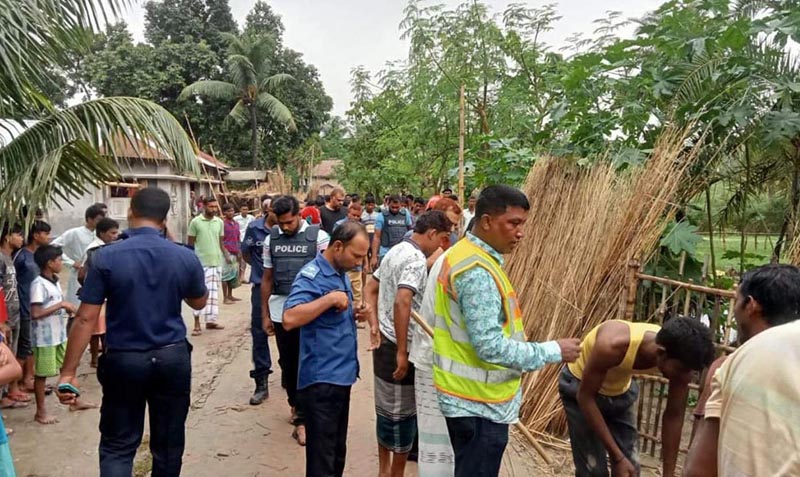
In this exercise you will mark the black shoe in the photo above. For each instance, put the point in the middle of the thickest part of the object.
(261, 393)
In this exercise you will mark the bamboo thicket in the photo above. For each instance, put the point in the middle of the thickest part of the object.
(570, 269)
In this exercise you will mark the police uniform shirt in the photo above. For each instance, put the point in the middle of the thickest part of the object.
(328, 351)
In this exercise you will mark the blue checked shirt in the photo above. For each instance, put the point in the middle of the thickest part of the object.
(482, 305)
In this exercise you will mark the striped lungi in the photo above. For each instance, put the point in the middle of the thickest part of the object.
(395, 407)
(210, 312)
(436, 457)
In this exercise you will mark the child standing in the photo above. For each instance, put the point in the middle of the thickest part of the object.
(48, 325)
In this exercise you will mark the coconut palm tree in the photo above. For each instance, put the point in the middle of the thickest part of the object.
(60, 154)
(250, 85)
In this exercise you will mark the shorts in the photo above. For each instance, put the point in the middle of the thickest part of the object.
(24, 345)
(49, 360)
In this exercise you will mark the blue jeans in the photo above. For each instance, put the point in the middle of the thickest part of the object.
(160, 379)
(478, 445)
(262, 361)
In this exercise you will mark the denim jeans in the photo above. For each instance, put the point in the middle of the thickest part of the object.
(588, 452)
(262, 361)
(327, 409)
(478, 445)
(160, 379)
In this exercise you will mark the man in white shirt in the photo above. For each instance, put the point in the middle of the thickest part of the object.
(74, 243)
(243, 220)
(468, 214)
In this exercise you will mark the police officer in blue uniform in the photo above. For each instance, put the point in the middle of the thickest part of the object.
(252, 251)
(321, 305)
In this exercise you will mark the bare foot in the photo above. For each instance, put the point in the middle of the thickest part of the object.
(20, 396)
(45, 419)
(197, 332)
(27, 386)
(8, 403)
(235, 299)
(82, 406)
(214, 326)
(228, 301)
(299, 435)
(93, 363)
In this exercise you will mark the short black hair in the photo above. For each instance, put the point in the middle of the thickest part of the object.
(369, 199)
(347, 231)
(105, 224)
(420, 201)
(394, 198)
(265, 197)
(446, 189)
(95, 210)
(38, 226)
(355, 197)
(410, 197)
(495, 199)
(208, 200)
(285, 204)
(320, 201)
(9, 229)
(46, 253)
(687, 340)
(777, 289)
(151, 203)
(433, 219)
(228, 206)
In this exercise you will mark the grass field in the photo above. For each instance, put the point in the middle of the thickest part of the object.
(758, 251)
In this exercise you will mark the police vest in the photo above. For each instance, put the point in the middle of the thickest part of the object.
(394, 228)
(289, 254)
(457, 369)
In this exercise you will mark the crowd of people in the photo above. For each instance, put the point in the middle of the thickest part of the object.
(444, 324)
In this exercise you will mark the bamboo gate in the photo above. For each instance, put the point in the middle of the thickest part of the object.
(656, 299)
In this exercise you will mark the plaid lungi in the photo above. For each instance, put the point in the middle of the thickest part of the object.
(395, 408)
(210, 312)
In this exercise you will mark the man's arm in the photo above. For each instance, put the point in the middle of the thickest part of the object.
(301, 315)
(481, 305)
(702, 458)
(64, 241)
(190, 240)
(672, 424)
(225, 254)
(266, 291)
(38, 311)
(602, 358)
(79, 336)
(247, 242)
(196, 295)
(402, 313)
(371, 289)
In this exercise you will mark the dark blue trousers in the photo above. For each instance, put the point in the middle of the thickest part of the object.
(478, 445)
(262, 361)
(159, 379)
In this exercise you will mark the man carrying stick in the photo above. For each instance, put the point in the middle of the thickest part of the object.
(599, 394)
(479, 348)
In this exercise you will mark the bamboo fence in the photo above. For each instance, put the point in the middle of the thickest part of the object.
(570, 270)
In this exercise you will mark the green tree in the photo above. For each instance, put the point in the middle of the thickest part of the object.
(249, 86)
(60, 155)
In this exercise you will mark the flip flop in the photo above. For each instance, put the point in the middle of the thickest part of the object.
(15, 405)
(21, 397)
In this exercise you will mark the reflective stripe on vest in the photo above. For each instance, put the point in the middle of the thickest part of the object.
(457, 369)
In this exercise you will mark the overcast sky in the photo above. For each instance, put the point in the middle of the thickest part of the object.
(336, 36)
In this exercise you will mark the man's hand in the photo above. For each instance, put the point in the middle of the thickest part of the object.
(363, 312)
(77, 265)
(339, 300)
(374, 339)
(623, 468)
(71, 309)
(373, 264)
(267, 326)
(570, 349)
(402, 366)
(67, 398)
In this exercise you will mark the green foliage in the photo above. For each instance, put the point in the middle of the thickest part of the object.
(681, 237)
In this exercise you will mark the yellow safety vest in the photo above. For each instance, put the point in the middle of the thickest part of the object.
(457, 369)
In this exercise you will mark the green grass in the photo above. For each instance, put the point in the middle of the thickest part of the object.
(758, 250)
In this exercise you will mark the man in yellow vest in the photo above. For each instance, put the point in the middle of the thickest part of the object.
(479, 348)
(598, 393)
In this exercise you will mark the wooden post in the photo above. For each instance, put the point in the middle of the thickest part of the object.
(461, 133)
(631, 285)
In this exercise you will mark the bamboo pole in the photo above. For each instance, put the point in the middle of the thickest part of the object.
(519, 425)
(461, 134)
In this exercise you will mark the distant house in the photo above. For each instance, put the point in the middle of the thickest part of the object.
(323, 176)
(141, 164)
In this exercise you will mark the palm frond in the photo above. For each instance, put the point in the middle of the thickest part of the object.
(213, 89)
(243, 74)
(60, 154)
(238, 114)
(274, 81)
(277, 110)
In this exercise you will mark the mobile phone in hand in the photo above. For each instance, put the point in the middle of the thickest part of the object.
(67, 388)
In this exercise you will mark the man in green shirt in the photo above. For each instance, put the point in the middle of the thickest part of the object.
(206, 232)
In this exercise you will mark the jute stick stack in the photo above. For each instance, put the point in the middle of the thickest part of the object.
(524, 430)
(569, 272)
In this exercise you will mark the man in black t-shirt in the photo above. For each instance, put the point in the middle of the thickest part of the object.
(332, 211)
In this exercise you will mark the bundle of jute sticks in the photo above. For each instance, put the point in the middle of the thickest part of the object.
(586, 224)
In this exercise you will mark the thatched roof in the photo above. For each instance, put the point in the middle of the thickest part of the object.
(326, 169)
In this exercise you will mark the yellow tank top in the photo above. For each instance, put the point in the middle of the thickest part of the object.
(618, 379)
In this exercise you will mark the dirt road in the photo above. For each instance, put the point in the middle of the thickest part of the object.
(225, 435)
